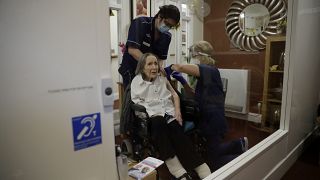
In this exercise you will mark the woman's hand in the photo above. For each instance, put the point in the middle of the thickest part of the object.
(178, 117)
(178, 76)
(168, 72)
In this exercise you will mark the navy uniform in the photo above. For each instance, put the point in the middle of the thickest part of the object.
(210, 97)
(141, 36)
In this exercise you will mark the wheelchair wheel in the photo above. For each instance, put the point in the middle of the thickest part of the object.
(126, 147)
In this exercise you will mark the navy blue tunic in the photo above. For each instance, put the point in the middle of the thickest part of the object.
(210, 97)
(141, 36)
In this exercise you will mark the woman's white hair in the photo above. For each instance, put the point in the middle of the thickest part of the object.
(142, 62)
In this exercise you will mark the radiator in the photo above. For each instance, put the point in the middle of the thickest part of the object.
(237, 90)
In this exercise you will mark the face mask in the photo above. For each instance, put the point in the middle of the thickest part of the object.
(163, 28)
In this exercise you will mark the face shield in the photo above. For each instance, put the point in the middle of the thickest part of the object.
(192, 58)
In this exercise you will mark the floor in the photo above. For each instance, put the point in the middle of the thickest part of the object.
(307, 166)
(240, 128)
(237, 128)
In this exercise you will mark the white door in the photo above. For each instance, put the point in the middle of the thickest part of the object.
(53, 123)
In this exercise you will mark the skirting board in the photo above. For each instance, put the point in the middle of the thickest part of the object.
(253, 117)
(283, 166)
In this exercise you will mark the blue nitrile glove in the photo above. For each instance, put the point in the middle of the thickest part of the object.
(168, 71)
(178, 76)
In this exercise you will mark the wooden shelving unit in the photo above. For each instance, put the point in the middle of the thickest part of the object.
(273, 81)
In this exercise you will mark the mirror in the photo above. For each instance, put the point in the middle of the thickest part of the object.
(254, 19)
(249, 22)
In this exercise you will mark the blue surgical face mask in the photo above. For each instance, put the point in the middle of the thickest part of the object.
(163, 28)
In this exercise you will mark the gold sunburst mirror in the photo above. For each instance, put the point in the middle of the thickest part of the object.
(249, 22)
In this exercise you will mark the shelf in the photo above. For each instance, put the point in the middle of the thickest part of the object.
(277, 71)
(274, 100)
(273, 79)
(277, 38)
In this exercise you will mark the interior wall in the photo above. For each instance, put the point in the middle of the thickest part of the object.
(115, 56)
(227, 56)
(124, 19)
(196, 30)
(304, 56)
(53, 56)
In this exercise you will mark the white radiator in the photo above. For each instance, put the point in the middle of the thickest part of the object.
(237, 97)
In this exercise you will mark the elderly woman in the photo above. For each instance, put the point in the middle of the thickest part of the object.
(162, 104)
(209, 96)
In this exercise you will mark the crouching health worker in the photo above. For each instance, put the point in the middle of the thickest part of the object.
(210, 98)
(162, 104)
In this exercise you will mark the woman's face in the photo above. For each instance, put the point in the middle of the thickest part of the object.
(151, 68)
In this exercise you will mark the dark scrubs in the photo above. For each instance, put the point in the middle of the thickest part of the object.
(141, 36)
(210, 97)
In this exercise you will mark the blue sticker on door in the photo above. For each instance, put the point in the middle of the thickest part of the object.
(86, 131)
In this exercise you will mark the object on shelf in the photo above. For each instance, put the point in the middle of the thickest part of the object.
(275, 112)
(282, 26)
(276, 92)
(281, 60)
(274, 67)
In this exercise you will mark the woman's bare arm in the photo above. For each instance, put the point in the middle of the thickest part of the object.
(190, 69)
(176, 102)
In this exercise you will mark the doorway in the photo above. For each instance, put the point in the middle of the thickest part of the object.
(115, 15)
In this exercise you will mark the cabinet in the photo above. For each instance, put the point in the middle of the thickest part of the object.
(273, 81)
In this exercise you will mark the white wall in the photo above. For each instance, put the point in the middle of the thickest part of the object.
(305, 58)
(124, 20)
(114, 31)
(53, 55)
(196, 29)
(114, 39)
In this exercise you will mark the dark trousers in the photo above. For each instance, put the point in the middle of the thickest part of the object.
(170, 140)
(219, 154)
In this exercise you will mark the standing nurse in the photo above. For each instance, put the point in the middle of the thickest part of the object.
(148, 34)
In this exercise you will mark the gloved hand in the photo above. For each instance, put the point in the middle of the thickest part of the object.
(178, 76)
(168, 71)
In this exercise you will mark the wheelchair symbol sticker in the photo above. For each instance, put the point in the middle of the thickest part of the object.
(86, 131)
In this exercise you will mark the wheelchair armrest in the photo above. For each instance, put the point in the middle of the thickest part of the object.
(138, 108)
(189, 110)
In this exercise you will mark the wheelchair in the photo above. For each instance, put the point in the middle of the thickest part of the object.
(140, 144)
